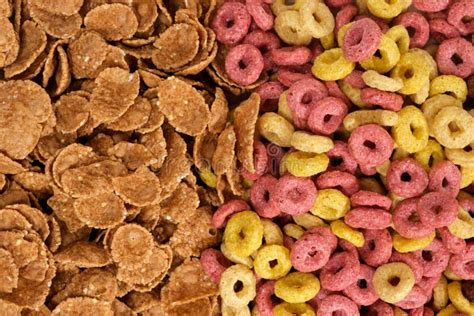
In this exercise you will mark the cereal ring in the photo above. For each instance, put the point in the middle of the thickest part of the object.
(330, 204)
(450, 85)
(332, 65)
(288, 75)
(341, 230)
(302, 96)
(437, 209)
(414, 299)
(272, 234)
(237, 274)
(285, 308)
(362, 117)
(294, 195)
(407, 220)
(335, 91)
(441, 30)
(297, 287)
(355, 79)
(263, 299)
(353, 94)
(341, 158)
(276, 129)
(453, 127)
(440, 294)
(433, 105)
(311, 143)
(368, 218)
(244, 64)
(382, 308)
(386, 100)
(278, 256)
(291, 56)
(375, 80)
(377, 248)
(278, 6)
(370, 143)
(312, 251)
(419, 24)
(407, 178)
(413, 69)
(393, 281)
(338, 179)
(456, 15)
(435, 258)
(261, 196)
(362, 291)
(431, 6)
(293, 230)
(411, 132)
(219, 218)
(404, 245)
(231, 23)
(340, 271)
(461, 302)
(243, 233)
(386, 10)
(371, 199)
(430, 155)
(269, 93)
(214, 263)
(317, 18)
(333, 304)
(447, 52)
(453, 243)
(415, 263)
(260, 161)
(301, 164)
(261, 14)
(265, 42)
(401, 37)
(445, 177)
(290, 28)
(326, 115)
(361, 40)
(345, 15)
(308, 221)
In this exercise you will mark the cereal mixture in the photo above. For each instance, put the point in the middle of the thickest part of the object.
(237, 157)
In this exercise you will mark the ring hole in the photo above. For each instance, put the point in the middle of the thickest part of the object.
(468, 148)
(405, 177)
(369, 144)
(438, 209)
(467, 288)
(362, 283)
(414, 218)
(336, 161)
(409, 73)
(290, 2)
(456, 59)
(444, 183)
(327, 118)
(307, 98)
(242, 64)
(411, 31)
(312, 253)
(454, 127)
(431, 161)
(212, 231)
(427, 255)
(394, 281)
(238, 286)
(467, 19)
(371, 245)
(266, 196)
(273, 263)
(378, 54)
(229, 23)
(242, 234)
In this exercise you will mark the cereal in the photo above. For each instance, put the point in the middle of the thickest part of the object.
(252, 228)
(456, 14)
(326, 115)
(290, 29)
(244, 64)
(272, 253)
(449, 84)
(234, 274)
(459, 47)
(337, 303)
(301, 164)
(297, 287)
(302, 96)
(262, 197)
(361, 40)
(375, 80)
(113, 29)
(407, 178)
(383, 277)
(276, 129)
(343, 231)
(370, 143)
(407, 219)
(386, 100)
(317, 19)
(261, 14)
(452, 127)
(174, 109)
(231, 22)
(377, 248)
(368, 218)
(338, 179)
(332, 65)
(293, 195)
(330, 204)
(246, 115)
